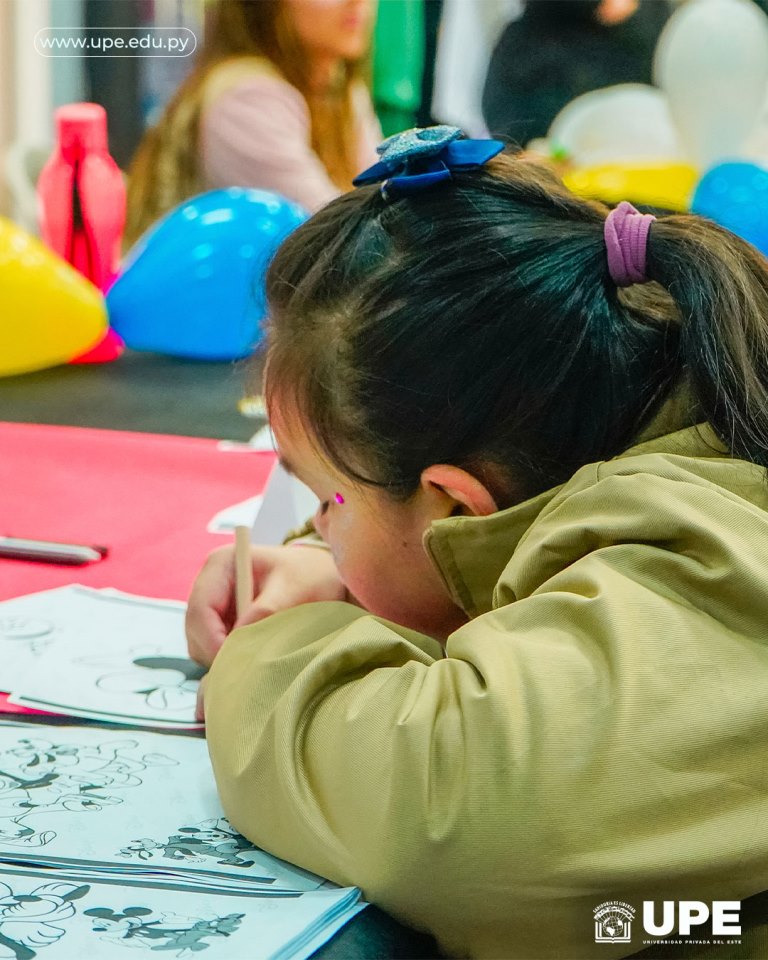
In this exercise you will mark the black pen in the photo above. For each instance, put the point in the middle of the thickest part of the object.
(50, 551)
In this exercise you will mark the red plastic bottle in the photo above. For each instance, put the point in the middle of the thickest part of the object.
(81, 198)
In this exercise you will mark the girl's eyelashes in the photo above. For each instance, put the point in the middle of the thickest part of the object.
(326, 503)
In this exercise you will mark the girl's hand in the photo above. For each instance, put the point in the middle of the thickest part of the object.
(283, 577)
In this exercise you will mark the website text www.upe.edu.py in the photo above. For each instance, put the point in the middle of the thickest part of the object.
(117, 42)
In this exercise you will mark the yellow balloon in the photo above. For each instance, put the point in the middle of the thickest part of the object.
(50, 313)
(669, 186)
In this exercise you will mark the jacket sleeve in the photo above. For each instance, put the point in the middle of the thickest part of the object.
(294, 710)
(352, 747)
(497, 794)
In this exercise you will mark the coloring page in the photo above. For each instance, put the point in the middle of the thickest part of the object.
(111, 657)
(61, 917)
(115, 801)
(27, 630)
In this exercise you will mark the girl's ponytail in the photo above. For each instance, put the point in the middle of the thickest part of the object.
(720, 286)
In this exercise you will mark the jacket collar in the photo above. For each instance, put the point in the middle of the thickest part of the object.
(470, 553)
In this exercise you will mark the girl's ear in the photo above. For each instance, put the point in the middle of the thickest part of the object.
(468, 496)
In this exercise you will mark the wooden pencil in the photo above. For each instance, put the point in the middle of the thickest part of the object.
(243, 570)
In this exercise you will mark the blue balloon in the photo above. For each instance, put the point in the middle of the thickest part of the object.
(193, 285)
(735, 195)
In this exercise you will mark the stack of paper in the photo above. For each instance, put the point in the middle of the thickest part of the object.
(69, 916)
(100, 654)
(133, 803)
(111, 839)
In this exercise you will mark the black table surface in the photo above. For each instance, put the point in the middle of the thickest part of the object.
(157, 394)
(148, 392)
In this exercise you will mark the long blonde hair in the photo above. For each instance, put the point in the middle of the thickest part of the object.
(166, 167)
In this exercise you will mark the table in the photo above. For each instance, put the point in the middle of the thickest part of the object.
(147, 498)
(138, 391)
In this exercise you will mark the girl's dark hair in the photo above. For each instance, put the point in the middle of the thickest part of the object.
(476, 324)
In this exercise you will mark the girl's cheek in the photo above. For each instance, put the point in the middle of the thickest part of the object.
(338, 554)
(356, 585)
(349, 572)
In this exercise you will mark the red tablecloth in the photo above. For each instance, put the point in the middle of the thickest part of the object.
(146, 497)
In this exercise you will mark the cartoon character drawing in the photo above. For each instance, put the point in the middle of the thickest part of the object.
(210, 839)
(41, 777)
(34, 633)
(110, 761)
(168, 931)
(30, 922)
(24, 628)
(165, 683)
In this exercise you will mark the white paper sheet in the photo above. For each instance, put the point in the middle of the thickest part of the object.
(27, 630)
(241, 514)
(101, 654)
(287, 504)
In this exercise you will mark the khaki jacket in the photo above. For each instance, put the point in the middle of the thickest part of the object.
(597, 731)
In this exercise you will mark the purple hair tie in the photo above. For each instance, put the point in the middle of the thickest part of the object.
(626, 243)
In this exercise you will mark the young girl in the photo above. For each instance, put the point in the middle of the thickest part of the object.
(544, 499)
(275, 101)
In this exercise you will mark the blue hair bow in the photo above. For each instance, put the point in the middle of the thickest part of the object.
(422, 157)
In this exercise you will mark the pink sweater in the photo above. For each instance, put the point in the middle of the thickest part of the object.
(255, 132)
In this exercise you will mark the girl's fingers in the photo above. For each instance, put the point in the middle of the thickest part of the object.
(206, 632)
(256, 612)
(283, 577)
(210, 609)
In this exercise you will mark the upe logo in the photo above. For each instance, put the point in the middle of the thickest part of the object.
(692, 913)
(613, 922)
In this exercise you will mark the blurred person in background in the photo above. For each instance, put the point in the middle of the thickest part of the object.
(276, 100)
(560, 49)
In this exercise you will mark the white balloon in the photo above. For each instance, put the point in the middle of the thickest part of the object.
(756, 146)
(628, 123)
(712, 63)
